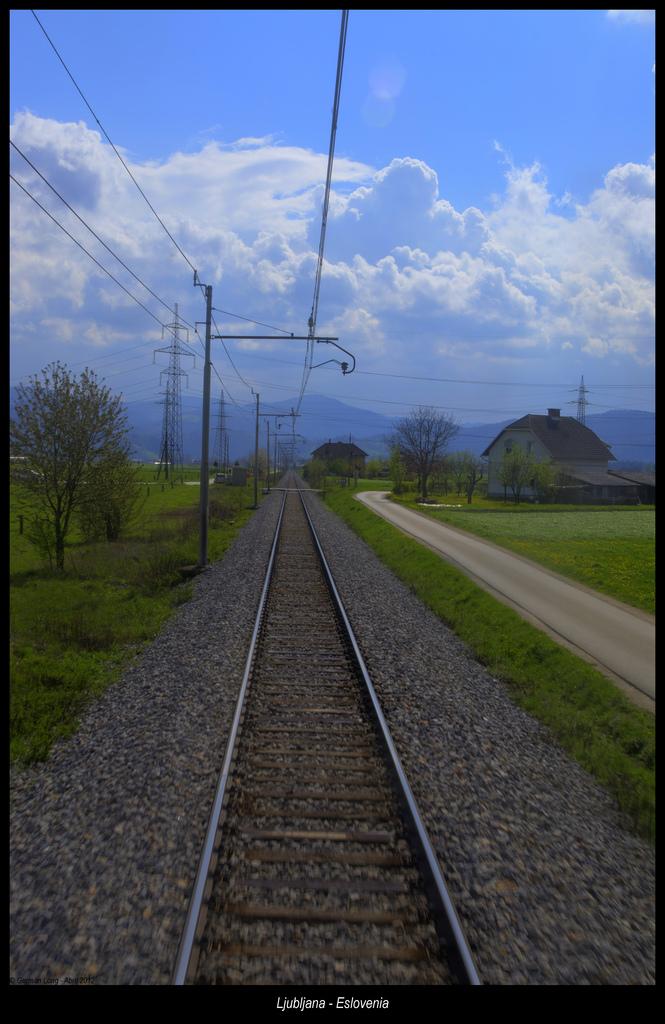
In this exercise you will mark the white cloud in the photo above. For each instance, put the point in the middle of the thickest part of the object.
(634, 17)
(406, 274)
(401, 207)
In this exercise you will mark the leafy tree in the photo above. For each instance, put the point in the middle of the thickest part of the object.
(544, 481)
(422, 438)
(397, 470)
(516, 471)
(373, 468)
(110, 498)
(262, 462)
(341, 468)
(314, 472)
(66, 428)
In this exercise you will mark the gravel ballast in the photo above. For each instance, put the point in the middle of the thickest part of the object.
(106, 834)
(550, 887)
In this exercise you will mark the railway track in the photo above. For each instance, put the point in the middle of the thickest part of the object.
(316, 868)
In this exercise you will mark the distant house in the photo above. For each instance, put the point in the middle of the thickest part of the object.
(579, 456)
(338, 451)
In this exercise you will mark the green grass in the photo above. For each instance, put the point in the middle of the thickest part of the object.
(71, 634)
(586, 714)
(609, 550)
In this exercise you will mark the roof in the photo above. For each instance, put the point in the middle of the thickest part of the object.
(338, 450)
(597, 477)
(563, 437)
(635, 477)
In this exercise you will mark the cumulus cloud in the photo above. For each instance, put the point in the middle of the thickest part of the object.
(401, 207)
(633, 17)
(406, 275)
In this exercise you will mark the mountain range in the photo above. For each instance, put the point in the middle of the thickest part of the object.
(630, 433)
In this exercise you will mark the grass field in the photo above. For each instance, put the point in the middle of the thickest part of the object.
(609, 550)
(586, 714)
(72, 634)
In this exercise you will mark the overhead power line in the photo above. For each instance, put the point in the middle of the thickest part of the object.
(187, 260)
(249, 319)
(92, 231)
(122, 263)
(492, 383)
(93, 258)
(237, 372)
(324, 217)
(458, 380)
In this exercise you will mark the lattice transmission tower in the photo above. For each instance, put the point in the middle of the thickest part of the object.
(221, 452)
(582, 403)
(170, 451)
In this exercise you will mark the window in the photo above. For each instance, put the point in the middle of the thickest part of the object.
(508, 445)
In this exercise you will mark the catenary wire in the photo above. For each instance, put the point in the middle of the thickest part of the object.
(324, 217)
(249, 319)
(187, 260)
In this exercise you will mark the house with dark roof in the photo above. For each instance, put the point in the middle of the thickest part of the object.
(338, 451)
(577, 454)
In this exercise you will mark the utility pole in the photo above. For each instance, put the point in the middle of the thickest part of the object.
(203, 509)
(268, 454)
(256, 456)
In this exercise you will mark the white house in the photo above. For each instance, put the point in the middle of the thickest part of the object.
(571, 447)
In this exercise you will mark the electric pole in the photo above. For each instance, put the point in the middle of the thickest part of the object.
(203, 510)
(256, 456)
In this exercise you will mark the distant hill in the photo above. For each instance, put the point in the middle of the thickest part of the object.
(630, 433)
(321, 419)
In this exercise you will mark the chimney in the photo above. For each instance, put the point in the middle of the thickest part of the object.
(554, 414)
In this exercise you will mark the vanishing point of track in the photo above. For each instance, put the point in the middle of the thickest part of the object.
(316, 868)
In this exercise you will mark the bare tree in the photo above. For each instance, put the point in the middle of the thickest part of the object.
(458, 467)
(422, 438)
(66, 429)
(474, 473)
(442, 473)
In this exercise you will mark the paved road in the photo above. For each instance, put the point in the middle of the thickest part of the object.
(618, 639)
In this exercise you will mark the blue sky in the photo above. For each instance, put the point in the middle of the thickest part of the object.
(491, 217)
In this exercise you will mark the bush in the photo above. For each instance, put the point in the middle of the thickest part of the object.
(158, 571)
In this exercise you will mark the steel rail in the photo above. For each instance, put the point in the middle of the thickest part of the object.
(196, 901)
(446, 921)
